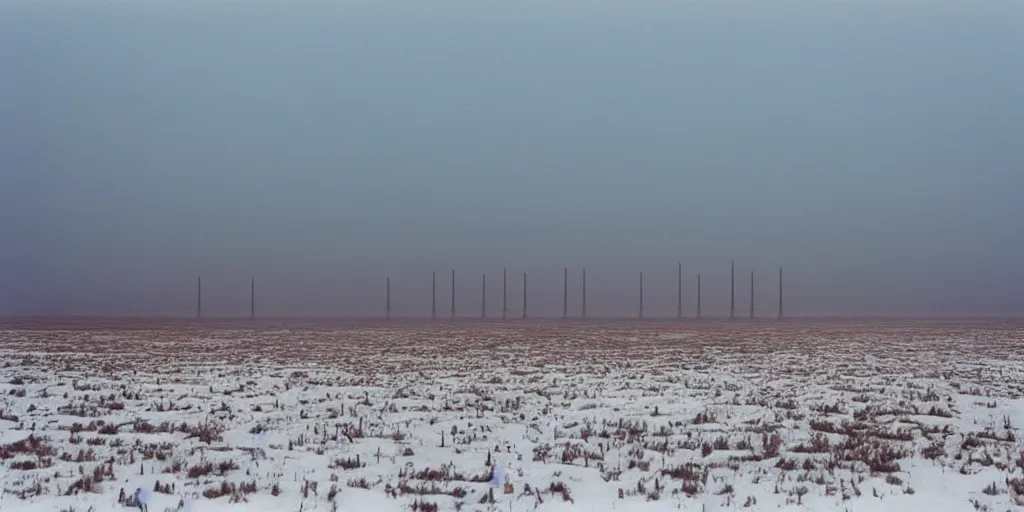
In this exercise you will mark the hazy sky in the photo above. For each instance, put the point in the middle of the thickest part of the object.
(875, 148)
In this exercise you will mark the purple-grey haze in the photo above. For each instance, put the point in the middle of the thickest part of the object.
(872, 147)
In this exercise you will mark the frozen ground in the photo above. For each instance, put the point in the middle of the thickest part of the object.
(519, 417)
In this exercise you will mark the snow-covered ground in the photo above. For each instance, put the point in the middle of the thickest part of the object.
(518, 416)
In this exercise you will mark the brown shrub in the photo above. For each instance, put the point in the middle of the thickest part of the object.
(200, 470)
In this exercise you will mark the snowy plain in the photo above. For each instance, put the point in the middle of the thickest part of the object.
(557, 416)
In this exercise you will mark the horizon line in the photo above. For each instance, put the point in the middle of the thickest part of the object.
(541, 318)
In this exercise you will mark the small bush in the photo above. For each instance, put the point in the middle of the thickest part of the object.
(200, 470)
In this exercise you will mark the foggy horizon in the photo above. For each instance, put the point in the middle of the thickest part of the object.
(871, 148)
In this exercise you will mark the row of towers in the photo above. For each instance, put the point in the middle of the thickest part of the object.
(565, 295)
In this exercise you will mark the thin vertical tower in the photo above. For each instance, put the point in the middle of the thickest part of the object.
(732, 291)
(698, 296)
(433, 295)
(565, 293)
(584, 293)
(387, 300)
(641, 295)
(252, 297)
(504, 293)
(524, 295)
(751, 294)
(199, 297)
(483, 298)
(780, 292)
(679, 292)
(453, 294)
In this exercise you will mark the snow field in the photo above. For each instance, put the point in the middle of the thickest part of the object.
(513, 417)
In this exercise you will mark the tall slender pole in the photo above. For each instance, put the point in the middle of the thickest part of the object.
(252, 298)
(732, 291)
(565, 293)
(199, 297)
(387, 306)
(698, 296)
(433, 295)
(641, 295)
(584, 293)
(504, 293)
(453, 294)
(751, 294)
(483, 298)
(524, 294)
(679, 292)
(780, 292)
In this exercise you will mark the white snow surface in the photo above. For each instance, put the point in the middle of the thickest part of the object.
(517, 416)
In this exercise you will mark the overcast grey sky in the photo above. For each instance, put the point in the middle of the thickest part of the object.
(875, 148)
